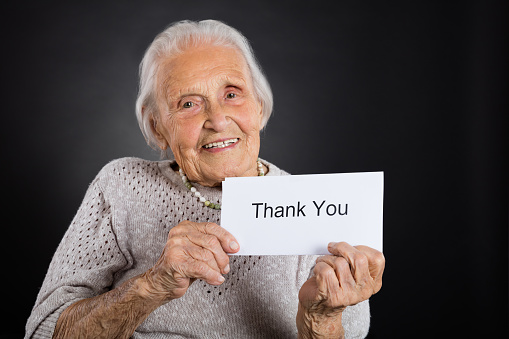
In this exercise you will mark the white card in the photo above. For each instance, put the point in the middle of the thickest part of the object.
(301, 214)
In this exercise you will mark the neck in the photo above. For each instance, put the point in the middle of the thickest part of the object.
(260, 169)
(255, 172)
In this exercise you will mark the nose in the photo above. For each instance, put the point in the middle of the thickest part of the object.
(217, 118)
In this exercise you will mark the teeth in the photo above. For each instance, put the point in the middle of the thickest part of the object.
(221, 144)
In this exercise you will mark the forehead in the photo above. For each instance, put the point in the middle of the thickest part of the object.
(199, 66)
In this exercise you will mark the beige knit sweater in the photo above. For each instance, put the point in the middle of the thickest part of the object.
(120, 231)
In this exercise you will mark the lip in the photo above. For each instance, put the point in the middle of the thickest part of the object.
(220, 149)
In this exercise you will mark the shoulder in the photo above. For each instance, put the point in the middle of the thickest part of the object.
(129, 163)
(128, 166)
(127, 171)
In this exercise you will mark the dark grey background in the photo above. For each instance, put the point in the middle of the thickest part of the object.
(415, 89)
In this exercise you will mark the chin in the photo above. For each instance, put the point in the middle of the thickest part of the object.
(231, 170)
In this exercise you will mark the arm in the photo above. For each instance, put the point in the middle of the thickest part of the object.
(114, 314)
(193, 251)
(315, 325)
(347, 277)
(83, 265)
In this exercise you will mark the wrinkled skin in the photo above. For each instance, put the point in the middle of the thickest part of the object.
(346, 277)
(206, 95)
(193, 251)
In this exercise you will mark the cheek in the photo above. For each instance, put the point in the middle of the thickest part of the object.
(182, 134)
(250, 122)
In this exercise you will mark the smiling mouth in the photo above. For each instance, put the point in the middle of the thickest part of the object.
(221, 144)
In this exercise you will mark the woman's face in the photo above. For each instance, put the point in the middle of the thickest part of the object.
(209, 115)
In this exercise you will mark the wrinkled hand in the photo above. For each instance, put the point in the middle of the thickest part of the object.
(193, 251)
(346, 277)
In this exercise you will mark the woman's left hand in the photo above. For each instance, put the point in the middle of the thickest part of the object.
(346, 277)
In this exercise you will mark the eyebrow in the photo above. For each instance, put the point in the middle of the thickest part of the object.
(196, 90)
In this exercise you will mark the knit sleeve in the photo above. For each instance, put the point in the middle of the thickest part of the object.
(83, 265)
(356, 320)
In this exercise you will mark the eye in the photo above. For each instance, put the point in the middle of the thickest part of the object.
(231, 95)
(188, 104)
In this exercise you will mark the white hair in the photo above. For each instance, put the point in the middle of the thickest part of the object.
(176, 39)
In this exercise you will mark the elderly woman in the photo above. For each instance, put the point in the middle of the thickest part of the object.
(145, 255)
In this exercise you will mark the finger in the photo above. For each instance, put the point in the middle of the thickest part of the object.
(210, 236)
(201, 254)
(208, 248)
(200, 270)
(342, 270)
(357, 260)
(328, 285)
(202, 247)
(376, 263)
(228, 241)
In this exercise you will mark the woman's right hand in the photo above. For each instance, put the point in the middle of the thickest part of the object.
(193, 251)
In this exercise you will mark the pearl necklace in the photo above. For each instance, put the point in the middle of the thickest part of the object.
(202, 199)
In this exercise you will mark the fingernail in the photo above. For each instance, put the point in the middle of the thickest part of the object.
(234, 246)
(220, 279)
(332, 244)
(226, 269)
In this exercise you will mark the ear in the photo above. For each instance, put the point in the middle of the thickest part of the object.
(155, 127)
(260, 115)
